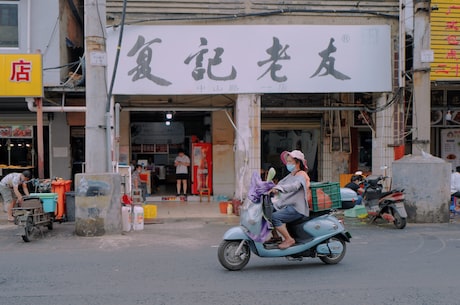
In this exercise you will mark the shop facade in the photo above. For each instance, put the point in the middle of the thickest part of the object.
(248, 122)
(252, 122)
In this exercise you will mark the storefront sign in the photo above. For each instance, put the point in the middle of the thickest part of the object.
(158, 60)
(16, 131)
(21, 75)
(445, 40)
(450, 146)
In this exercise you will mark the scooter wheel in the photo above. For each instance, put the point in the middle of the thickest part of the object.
(232, 258)
(399, 222)
(333, 259)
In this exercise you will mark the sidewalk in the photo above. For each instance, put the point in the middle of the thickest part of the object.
(168, 210)
(171, 210)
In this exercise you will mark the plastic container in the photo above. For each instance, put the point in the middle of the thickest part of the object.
(150, 211)
(138, 218)
(325, 196)
(223, 207)
(229, 209)
(70, 206)
(236, 206)
(60, 187)
(356, 211)
(126, 218)
(49, 201)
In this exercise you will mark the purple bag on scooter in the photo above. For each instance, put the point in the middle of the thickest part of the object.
(258, 187)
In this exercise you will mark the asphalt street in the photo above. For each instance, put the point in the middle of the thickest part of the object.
(175, 262)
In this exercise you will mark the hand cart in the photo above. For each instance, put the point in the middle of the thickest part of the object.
(30, 216)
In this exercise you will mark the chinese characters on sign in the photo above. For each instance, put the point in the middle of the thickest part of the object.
(252, 59)
(20, 71)
(445, 40)
(21, 75)
(143, 69)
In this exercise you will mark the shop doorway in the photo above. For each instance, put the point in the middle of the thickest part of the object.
(274, 142)
(361, 156)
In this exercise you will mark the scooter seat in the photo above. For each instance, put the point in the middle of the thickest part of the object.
(296, 230)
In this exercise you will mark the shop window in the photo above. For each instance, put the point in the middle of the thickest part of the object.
(9, 30)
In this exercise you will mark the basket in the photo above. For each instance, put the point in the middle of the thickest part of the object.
(325, 196)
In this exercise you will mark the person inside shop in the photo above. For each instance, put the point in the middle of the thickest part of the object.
(9, 189)
(137, 183)
(181, 163)
(290, 196)
(354, 184)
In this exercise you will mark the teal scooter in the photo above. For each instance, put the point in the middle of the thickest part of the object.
(321, 236)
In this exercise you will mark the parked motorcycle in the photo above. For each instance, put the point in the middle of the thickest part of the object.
(321, 235)
(385, 205)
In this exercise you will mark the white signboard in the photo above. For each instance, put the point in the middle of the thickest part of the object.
(157, 60)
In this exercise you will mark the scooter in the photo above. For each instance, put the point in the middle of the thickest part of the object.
(348, 198)
(321, 235)
(385, 205)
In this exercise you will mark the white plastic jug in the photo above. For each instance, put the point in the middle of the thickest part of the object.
(138, 218)
(126, 218)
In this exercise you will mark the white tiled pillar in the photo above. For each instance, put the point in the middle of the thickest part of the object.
(248, 142)
(382, 144)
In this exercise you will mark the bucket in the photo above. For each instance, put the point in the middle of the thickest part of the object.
(223, 207)
(126, 219)
(138, 218)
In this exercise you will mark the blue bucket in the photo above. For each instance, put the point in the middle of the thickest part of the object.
(49, 201)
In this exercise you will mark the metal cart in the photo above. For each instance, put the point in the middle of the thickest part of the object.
(30, 216)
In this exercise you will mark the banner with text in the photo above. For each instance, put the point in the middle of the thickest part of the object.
(156, 60)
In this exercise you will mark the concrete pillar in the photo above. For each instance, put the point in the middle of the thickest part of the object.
(96, 87)
(422, 86)
(426, 183)
(248, 141)
(382, 148)
(97, 204)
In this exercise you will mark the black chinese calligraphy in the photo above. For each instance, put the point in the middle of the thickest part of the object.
(144, 59)
(199, 70)
(277, 52)
(328, 63)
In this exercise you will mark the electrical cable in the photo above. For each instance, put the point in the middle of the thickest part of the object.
(117, 55)
(269, 13)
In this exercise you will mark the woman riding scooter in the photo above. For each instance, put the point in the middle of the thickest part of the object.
(290, 200)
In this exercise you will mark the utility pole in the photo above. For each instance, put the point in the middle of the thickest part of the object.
(96, 150)
(421, 77)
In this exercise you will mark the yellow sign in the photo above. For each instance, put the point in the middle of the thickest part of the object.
(21, 75)
(445, 40)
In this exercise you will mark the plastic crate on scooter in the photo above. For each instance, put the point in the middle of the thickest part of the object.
(325, 196)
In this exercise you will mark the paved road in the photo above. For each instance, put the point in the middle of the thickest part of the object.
(176, 263)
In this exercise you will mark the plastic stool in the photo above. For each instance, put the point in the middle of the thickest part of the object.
(205, 192)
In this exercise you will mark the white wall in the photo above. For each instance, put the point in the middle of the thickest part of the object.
(39, 30)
